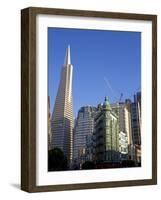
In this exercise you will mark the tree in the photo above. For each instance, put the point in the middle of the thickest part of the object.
(88, 165)
(57, 161)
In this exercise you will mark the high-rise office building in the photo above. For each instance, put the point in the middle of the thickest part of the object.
(128, 121)
(136, 119)
(84, 127)
(122, 109)
(62, 122)
(106, 134)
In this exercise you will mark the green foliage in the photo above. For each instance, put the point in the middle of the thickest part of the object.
(57, 161)
(88, 165)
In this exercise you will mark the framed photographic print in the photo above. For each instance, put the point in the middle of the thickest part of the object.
(88, 99)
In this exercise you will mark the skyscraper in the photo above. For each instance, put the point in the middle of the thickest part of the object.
(136, 119)
(84, 128)
(62, 122)
(122, 109)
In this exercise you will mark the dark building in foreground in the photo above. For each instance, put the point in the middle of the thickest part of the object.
(136, 119)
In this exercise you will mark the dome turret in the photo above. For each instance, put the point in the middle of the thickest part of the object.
(106, 104)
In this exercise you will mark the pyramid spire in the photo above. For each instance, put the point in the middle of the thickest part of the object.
(62, 121)
(67, 60)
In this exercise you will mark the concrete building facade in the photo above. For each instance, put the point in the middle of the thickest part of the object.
(84, 127)
(123, 110)
(123, 145)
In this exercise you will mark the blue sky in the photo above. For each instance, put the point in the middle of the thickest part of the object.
(105, 63)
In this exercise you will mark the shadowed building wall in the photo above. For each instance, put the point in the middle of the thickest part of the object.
(49, 125)
(136, 119)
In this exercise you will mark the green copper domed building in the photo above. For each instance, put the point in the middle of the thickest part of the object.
(106, 134)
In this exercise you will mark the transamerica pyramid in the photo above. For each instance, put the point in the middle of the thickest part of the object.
(62, 122)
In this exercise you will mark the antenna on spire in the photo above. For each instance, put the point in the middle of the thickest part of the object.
(67, 60)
